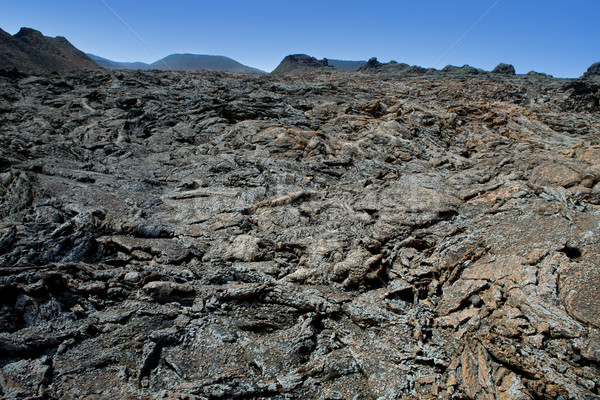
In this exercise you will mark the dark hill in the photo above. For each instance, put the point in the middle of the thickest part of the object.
(29, 50)
(186, 62)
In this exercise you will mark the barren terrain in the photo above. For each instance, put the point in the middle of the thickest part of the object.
(329, 235)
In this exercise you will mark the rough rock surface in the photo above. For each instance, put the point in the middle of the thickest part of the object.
(204, 236)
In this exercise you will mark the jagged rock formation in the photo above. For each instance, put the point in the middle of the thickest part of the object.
(299, 63)
(205, 236)
(372, 66)
(402, 69)
(29, 50)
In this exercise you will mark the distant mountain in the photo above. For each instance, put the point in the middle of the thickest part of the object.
(183, 62)
(106, 63)
(29, 50)
(344, 65)
(186, 62)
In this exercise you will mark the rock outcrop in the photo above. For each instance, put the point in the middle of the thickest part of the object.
(29, 50)
(202, 235)
(372, 66)
(504, 69)
(464, 70)
(299, 63)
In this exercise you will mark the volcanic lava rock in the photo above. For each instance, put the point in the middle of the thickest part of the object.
(202, 235)
(582, 93)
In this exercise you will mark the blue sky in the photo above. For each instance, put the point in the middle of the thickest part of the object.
(561, 38)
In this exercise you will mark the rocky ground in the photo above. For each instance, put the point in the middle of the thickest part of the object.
(330, 236)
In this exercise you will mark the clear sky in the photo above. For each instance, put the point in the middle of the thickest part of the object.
(561, 38)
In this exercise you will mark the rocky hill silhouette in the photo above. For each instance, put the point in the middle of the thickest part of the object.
(29, 50)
